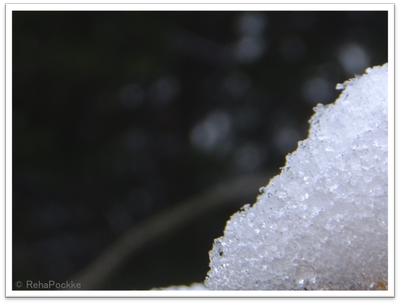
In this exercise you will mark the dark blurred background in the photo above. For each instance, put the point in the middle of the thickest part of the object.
(119, 117)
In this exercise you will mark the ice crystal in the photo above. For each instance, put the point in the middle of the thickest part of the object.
(321, 223)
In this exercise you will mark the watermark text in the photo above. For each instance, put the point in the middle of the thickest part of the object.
(48, 285)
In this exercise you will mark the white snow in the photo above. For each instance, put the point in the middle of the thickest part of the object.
(322, 223)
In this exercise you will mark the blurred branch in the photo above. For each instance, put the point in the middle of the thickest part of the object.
(159, 225)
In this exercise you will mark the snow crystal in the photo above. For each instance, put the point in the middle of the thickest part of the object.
(194, 286)
(322, 223)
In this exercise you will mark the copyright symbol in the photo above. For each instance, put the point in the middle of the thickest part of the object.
(18, 284)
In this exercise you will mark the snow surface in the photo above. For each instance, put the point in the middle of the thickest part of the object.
(322, 223)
